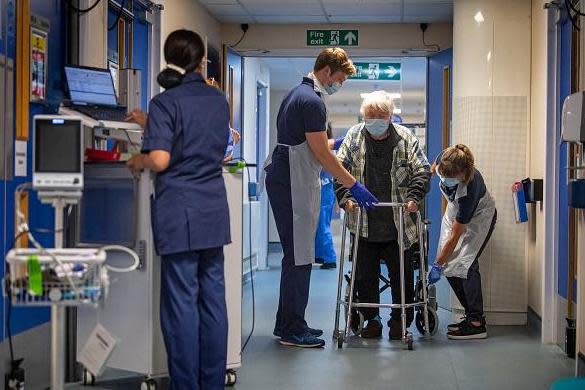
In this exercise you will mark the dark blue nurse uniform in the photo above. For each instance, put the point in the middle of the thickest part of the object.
(302, 111)
(190, 224)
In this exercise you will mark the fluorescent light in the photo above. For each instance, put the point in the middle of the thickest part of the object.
(479, 17)
(397, 111)
(393, 95)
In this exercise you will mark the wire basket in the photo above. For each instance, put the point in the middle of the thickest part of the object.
(66, 277)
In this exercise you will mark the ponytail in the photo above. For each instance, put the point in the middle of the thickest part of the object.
(171, 76)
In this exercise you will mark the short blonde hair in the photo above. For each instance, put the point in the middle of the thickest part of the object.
(337, 60)
(377, 101)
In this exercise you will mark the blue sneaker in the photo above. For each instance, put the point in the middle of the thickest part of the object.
(306, 340)
(313, 332)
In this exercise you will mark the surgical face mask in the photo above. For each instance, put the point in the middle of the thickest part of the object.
(377, 127)
(448, 182)
(331, 89)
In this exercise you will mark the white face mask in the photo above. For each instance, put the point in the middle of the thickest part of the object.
(449, 182)
(333, 88)
(377, 127)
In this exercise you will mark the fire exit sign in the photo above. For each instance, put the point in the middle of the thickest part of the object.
(333, 37)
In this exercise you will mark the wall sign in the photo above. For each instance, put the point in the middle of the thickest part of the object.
(333, 37)
(377, 71)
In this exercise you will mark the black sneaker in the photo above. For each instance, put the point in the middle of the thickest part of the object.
(373, 330)
(457, 325)
(468, 332)
(328, 265)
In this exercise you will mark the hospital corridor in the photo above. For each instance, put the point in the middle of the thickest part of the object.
(286, 195)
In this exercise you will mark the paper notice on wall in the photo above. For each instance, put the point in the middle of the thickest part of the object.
(38, 65)
(97, 350)
(20, 155)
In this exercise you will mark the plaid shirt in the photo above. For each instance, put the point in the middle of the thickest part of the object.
(408, 163)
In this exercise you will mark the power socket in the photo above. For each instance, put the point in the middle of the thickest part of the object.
(15, 379)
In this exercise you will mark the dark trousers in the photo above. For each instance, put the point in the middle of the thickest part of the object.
(468, 291)
(294, 280)
(367, 277)
(194, 319)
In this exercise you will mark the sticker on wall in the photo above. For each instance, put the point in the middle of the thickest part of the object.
(38, 64)
(20, 153)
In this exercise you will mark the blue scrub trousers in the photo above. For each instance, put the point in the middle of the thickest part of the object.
(324, 248)
(194, 319)
(294, 280)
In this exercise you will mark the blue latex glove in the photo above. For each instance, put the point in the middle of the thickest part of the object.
(362, 196)
(435, 273)
(338, 142)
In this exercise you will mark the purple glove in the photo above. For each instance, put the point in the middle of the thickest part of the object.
(338, 143)
(435, 273)
(362, 196)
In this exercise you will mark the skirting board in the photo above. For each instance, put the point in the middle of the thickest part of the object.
(497, 318)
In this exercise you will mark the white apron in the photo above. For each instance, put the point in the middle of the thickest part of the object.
(305, 185)
(472, 240)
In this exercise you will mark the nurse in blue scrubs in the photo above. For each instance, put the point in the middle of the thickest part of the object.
(185, 139)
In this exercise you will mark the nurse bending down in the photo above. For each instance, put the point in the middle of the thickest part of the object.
(294, 189)
(467, 226)
(184, 143)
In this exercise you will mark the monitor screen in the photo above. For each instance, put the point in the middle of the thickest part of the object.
(57, 146)
(92, 86)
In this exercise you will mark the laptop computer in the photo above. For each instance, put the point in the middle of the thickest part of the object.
(92, 93)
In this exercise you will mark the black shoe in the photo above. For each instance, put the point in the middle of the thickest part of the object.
(373, 330)
(395, 329)
(319, 260)
(458, 325)
(328, 265)
(468, 332)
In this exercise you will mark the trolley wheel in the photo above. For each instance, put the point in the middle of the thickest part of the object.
(357, 322)
(410, 344)
(230, 378)
(148, 384)
(88, 378)
(340, 341)
(433, 321)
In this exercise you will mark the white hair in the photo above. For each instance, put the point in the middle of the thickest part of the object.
(379, 102)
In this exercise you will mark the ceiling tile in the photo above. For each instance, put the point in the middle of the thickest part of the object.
(364, 9)
(437, 10)
(234, 19)
(365, 18)
(290, 18)
(226, 10)
(256, 7)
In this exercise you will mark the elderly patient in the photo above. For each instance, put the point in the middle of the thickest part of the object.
(388, 159)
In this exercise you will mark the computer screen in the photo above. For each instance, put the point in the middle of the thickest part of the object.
(58, 146)
(92, 86)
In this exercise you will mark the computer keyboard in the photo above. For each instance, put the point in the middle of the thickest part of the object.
(102, 113)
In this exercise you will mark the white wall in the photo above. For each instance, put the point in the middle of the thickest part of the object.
(255, 71)
(374, 38)
(191, 15)
(536, 145)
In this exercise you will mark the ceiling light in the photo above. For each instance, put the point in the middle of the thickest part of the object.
(397, 111)
(479, 17)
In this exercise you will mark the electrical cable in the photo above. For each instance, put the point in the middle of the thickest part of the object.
(120, 12)
(433, 45)
(570, 4)
(249, 337)
(571, 18)
(120, 248)
(244, 32)
(82, 11)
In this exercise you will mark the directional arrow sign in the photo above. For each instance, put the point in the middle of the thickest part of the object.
(332, 38)
(377, 71)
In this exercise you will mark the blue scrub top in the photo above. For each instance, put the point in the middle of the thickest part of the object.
(302, 111)
(189, 209)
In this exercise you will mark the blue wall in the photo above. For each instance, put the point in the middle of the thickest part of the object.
(564, 91)
(435, 140)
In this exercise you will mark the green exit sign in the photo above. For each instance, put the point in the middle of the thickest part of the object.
(377, 71)
(333, 37)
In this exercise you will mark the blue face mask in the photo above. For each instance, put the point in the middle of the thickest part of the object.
(331, 89)
(448, 182)
(377, 127)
